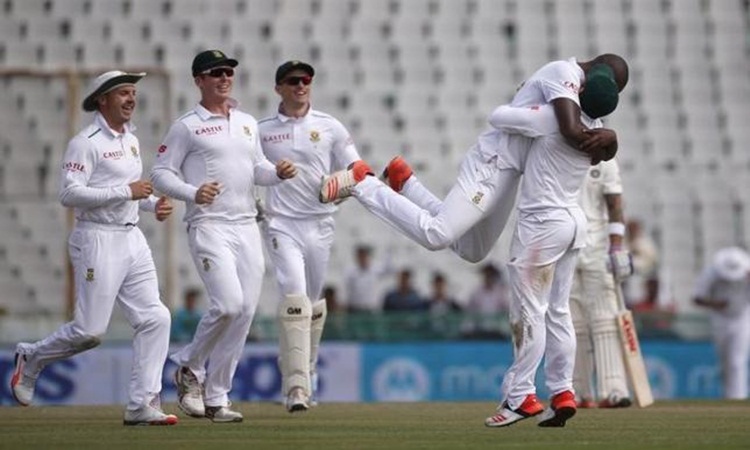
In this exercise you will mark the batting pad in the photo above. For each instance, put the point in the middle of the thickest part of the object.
(584, 365)
(610, 368)
(319, 314)
(295, 313)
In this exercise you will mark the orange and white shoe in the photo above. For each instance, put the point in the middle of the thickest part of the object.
(506, 416)
(339, 185)
(397, 173)
(562, 408)
(148, 415)
(21, 385)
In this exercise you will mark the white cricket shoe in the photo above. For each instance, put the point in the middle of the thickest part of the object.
(189, 393)
(22, 385)
(297, 400)
(506, 416)
(340, 185)
(148, 415)
(222, 414)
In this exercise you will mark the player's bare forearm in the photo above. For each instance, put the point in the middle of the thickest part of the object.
(568, 115)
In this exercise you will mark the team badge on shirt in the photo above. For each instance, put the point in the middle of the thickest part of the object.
(89, 274)
(477, 197)
(247, 131)
(206, 265)
(275, 243)
(596, 173)
(134, 150)
(314, 136)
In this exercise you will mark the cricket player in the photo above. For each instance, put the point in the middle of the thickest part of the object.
(475, 211)
(550, 231)
(593, 302)
(101, 179)
(724, 288)
(300, 229)
(212, 160)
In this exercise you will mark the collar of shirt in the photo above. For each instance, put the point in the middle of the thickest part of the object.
(205, 114)
(283, 118)
(101, 122)
(579, 70)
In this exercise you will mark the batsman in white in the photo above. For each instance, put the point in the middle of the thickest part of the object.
(100, 179)
(475, 211)
(724, 287)
(593, 302)
(211, 159)
(300, 229)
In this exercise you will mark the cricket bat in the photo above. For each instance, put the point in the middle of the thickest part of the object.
(631, 352)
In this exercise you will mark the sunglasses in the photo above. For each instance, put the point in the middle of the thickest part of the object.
(219, 71)
(294, 81)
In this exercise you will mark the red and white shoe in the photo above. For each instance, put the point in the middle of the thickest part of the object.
(397, 173)
(506, 416)
(562, 408)
(339, 185)
(21, 385)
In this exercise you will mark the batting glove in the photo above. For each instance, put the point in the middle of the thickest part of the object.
(620, 263)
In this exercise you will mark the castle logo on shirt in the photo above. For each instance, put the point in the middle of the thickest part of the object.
(477, 197)
(134, 151)
(114, 155)
(314, 136)
(89, 275)
(247, 130)
(208, 131)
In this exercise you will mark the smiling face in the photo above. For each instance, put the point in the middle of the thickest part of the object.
(117, 106)
(294, 89)
(216, 84)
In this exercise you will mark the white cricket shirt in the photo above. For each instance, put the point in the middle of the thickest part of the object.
(202, 147)
(97, 168)
(318, 145)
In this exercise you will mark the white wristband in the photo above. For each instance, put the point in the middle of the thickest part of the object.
(617, 228)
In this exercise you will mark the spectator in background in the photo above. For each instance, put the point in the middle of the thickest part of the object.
(487, 303)
(443, 307)
(440, 301)
(362, 293)
(404, 297)
(724, 288)
(185, 320)
(331, 297)
(643, 285)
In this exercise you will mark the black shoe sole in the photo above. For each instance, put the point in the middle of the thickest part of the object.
(558, 420)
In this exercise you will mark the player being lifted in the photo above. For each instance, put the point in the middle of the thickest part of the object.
(474, 213)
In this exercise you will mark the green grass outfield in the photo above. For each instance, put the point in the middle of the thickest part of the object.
(389, 426)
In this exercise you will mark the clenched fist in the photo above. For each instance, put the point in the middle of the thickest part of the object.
(285, 169)
(141, 189)
(207, 193)
(163, 208)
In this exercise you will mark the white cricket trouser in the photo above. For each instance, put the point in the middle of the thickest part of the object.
(470, 219)
(541, 273)
(112, 262)
(732, 341)
(593, 305)
(229, 259)
(299, 250)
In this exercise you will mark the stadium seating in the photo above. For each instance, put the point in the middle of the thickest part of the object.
(412, 76)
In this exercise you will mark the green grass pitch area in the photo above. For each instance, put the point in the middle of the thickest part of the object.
(388, 426)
